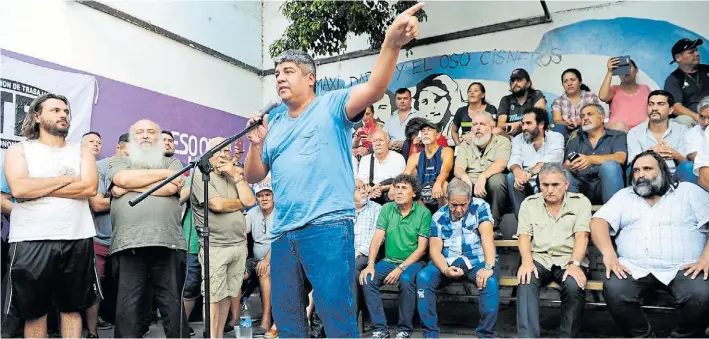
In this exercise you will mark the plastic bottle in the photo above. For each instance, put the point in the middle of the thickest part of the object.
(244, 331)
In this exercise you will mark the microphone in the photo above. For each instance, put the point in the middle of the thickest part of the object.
(269, 107)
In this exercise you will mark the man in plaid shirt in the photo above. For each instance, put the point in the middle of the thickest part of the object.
(461, 246)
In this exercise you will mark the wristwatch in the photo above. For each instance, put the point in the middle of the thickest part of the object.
(574, 262)
(402, 267)
(489, 267)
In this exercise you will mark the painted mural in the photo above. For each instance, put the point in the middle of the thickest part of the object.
(439, 83)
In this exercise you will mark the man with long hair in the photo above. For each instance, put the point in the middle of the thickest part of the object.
(661, 228)
(52, 253)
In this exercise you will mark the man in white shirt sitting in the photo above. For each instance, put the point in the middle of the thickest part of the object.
(693, 140)
(388, 165)
(662, 243)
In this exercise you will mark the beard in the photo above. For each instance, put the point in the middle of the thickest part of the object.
(587, 128)
(647, 188)
(520, 92)
(146, 156)
(54, 129)
(481, 141)
(169, 153)
(530, 135)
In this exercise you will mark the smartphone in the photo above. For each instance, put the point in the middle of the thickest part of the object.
(572, 156)
(508, 129)
(623, 67)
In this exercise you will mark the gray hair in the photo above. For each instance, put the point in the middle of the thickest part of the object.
(598, 107)
(554, 167)
(704, 103)
(487, 115)
(458, 187)
(304, 61)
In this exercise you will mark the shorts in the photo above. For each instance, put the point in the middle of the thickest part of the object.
(101, 252)
(44, 272)
(193, 279)
(226, 270)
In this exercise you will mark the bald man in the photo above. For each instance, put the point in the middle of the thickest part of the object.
(387, 165)
(148, 248)
(228, 196)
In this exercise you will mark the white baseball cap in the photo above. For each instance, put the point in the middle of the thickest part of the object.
(263, 185)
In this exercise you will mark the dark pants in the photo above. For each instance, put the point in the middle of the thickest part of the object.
(517, 196)
(573, 300)
(407, 296)
(598, 189)
(496, 188)
(623, 299)
(431, 278)
(159, 268)
(324, 255)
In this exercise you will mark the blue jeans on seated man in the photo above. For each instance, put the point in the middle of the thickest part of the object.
(598, 188)
(431, 278)
(517, 196)
(407, 296)
(324, 253)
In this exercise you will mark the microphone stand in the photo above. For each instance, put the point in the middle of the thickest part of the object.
(202, 162)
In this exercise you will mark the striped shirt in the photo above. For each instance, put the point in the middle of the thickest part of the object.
(658, 239)
(364, 226)
(461, 239)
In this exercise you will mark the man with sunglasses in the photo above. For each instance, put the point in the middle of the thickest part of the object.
(689, 83)
(258, 267)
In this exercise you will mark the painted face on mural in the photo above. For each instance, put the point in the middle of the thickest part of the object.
(54, 118)
(293, 82)
(433, 103)
(658, 108)
(403, 102)
(382, 108)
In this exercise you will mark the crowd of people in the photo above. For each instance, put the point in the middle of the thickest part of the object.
(319, 197)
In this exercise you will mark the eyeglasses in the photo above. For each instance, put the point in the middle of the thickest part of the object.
(263, 225)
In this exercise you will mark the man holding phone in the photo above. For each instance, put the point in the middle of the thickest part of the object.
(689, 83)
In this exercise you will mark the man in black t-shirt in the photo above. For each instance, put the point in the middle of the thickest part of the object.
(523, 97)
(689, 83)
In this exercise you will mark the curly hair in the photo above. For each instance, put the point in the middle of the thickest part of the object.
(668, 180)
(408, 179)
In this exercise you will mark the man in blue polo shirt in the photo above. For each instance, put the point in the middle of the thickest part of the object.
(308, 151)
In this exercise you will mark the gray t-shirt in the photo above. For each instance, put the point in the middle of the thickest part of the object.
(155, 221)
(102, 220)
(260, 231)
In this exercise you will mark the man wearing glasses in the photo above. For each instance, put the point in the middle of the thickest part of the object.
(258, 268)
(367, 212)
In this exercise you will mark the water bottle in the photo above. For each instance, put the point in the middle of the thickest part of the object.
(244, 329)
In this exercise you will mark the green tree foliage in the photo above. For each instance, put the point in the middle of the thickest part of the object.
(321, 26)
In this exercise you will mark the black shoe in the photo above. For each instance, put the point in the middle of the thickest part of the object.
(259, 331)
(228, 328)
(91, 336)
(497, 234)
(192, 332)
(103, 324)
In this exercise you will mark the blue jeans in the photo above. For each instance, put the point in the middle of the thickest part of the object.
(323, 253)
(431, 278)
(685, 172)
(517, 196)
(407, 296)
(601, 189)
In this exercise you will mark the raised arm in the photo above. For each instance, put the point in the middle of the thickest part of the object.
(24, 187)
(88, 183)
(402, 30)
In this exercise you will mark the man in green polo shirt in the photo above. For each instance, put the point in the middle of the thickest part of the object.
(405, 225)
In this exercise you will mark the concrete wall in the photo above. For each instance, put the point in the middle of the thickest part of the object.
(76, 36)
(582, 35)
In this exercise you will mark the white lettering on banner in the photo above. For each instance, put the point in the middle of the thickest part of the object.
(189, 145)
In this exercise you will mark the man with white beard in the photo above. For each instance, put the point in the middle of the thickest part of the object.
(480, 164)
(148, 247)
(661, 228)
(594, 157)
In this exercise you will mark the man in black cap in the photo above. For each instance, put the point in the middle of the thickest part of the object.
(432, 166)
(689, 83)
(523, 97)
